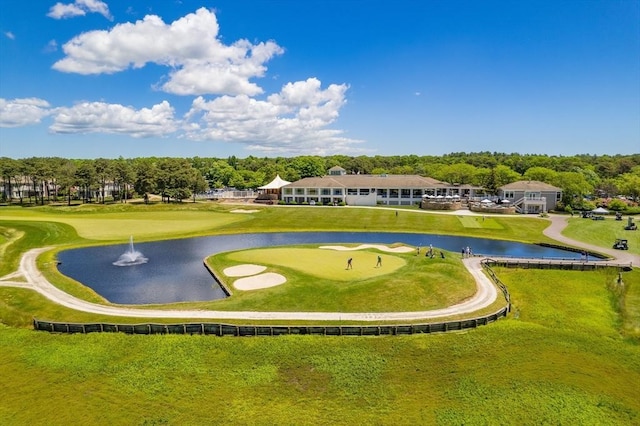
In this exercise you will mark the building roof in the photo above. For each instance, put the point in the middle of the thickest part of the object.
(529, 185)
(368, 181)
(276, 183)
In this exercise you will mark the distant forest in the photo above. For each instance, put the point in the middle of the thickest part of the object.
(581, 177)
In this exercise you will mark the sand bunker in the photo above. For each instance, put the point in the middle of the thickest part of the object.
(243, 270)
(266, 280)
(401, 249)
(244, 211)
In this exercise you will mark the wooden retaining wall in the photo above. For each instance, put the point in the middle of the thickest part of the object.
(217, 329)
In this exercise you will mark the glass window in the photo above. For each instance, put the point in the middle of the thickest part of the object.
(393, 193)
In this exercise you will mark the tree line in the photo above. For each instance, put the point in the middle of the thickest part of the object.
(51, 178)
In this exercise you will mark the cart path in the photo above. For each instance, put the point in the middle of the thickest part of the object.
(485, 295)
(559, 223)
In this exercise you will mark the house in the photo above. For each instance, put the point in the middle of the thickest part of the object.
(530, 196)
(368, 190)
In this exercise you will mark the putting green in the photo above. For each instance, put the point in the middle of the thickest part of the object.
(479, 222)
(326, 264)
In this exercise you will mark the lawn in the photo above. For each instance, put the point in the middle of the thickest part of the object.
(567, 354)
(602, 233)
(317, 280)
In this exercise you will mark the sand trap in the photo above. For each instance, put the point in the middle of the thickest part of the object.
(244, 211)
(243, 270)
(401, 249)
(266, 280)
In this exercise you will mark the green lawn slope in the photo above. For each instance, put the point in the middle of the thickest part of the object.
(568, 353)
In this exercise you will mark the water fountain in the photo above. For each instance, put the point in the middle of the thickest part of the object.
(131, 257)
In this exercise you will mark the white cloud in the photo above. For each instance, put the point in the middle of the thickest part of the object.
(10, 35)
(202, 63)
(23, 112)
(52, 46)
(100, 117)
(79, 8)
(293, 121)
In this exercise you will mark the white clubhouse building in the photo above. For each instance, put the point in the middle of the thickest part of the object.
(370, 190)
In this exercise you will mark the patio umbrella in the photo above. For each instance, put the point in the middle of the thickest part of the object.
(505, 201)
(486, 201)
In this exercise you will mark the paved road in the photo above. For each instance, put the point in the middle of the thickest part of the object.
(28, 276)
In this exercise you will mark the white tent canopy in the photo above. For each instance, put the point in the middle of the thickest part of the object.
(600, 210)
(276, 183)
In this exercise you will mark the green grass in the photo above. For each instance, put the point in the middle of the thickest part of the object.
(480, 222)
(326, 264)
(145, 222)
(602, 233)
(568, 354)
(317, 280)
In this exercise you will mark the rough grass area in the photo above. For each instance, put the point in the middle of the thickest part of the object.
(317, 280)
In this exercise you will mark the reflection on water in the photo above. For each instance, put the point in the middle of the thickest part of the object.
(175, 271)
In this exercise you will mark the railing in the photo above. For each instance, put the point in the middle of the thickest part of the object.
(573, 265)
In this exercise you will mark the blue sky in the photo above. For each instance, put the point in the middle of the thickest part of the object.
(92, 78)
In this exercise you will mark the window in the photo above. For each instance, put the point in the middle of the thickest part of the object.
(417, 193)
(509, 194)
(382, 193)
(337, 191)
(313, 191)
(364, 191)
(288, 191)
(326, 191)
(406, 193)
(299, 191)
(393, 193)
(352, 191)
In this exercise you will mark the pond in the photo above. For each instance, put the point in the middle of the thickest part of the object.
(174, 271)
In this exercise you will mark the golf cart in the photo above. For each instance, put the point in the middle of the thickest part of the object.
(630, 225)
(620, 244)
